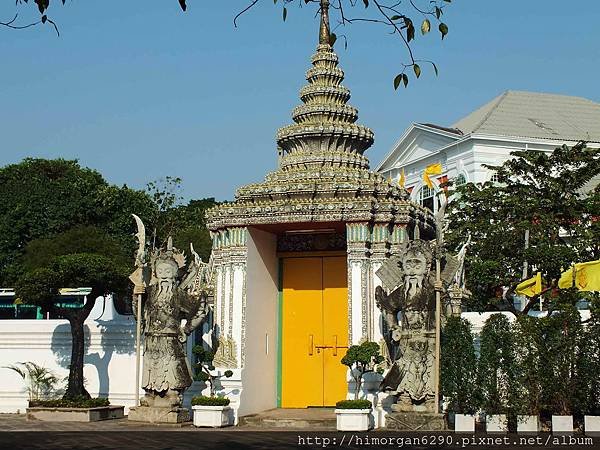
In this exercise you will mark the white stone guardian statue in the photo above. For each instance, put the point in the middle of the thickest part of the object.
(174, 304)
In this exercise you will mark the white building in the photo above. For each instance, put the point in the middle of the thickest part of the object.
(512, 121)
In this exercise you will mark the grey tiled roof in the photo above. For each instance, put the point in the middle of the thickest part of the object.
(535, 115)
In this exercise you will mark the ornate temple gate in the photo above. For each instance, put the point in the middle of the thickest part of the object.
(314, 326)
(322, 181)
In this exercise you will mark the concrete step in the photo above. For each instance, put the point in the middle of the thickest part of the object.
(307, 418)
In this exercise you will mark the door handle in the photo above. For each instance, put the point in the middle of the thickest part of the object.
(311, 345)
(336, 346)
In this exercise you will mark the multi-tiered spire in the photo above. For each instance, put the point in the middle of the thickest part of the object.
(323, 175)
(325, 128)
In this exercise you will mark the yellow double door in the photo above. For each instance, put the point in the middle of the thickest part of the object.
(314, 331)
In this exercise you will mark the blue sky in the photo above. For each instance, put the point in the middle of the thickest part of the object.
(139, 94)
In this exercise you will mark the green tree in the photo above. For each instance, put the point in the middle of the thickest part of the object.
(588, 363)
(83, 256)
(185, 223)
(43, 198)
(497, 371)
(558, 364)
(458, 366)
(40, 286)
(537, 193)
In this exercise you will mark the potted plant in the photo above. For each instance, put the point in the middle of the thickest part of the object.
(212, 410)
(43, 404)
(497, 374)
(458, 373)
(355, 415)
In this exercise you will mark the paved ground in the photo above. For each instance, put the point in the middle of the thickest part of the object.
(16, 433)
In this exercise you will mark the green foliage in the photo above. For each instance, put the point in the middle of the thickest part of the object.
(588, 363)
(559, 344)
(43, 199)
(79, 239)
(81, 402)
(185, 223)
(40, 381)
(539, 193)
(204, 367)
(498, 370)
(458, 365)
(558, 362)
(104, 275)
(354, 404)
(203, 400)
(527, 330)
(362, 359)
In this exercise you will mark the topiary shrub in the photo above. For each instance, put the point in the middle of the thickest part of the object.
(362, 359)
(76, 402)
(498, 369)
(588, 365)
(204, 368)
(458, 365)
(353, 404)
(203, 400)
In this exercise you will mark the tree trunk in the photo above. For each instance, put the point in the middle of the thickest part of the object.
(76, 386)
(76, 319)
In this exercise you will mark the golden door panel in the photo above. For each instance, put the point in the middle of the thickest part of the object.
(302, 366)
(315, 331)
(335, 328)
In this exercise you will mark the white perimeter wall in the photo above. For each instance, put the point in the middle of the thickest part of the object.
(259, 375)
(109, 368)
(109, 363)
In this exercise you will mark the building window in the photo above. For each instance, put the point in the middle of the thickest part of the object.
(426, 198)
(460, 180)
(494, 178)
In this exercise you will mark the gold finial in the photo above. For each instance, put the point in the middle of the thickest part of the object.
(324, 31)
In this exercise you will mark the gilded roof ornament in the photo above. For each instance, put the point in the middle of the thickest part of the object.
(324, 31)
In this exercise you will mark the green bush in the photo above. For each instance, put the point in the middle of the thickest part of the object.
(78, 402)
(204, 368)
(353, 404)
(459, 367)
(202, 400)
(362, 359)
(498, 370)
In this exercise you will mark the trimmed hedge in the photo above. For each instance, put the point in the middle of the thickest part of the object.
(81, 402)
(203, 400)
(353, 404)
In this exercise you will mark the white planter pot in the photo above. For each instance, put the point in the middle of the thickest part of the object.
(591, 425)
(464, 423)
(562, 424)
(353, 419)
(212, 416)
(528, 424)
(496, 423)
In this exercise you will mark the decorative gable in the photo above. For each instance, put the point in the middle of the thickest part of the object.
(418, 142)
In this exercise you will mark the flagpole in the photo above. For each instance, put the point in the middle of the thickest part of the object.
(138, 335)
(437, 334)
(439, 219)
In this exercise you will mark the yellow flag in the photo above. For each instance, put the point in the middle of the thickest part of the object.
(566, 279)
(531, 286)
(402, 179)
(433, 169)
(587, 277)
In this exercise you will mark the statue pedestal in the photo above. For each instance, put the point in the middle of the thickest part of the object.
(152, 414)
(414, 421)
